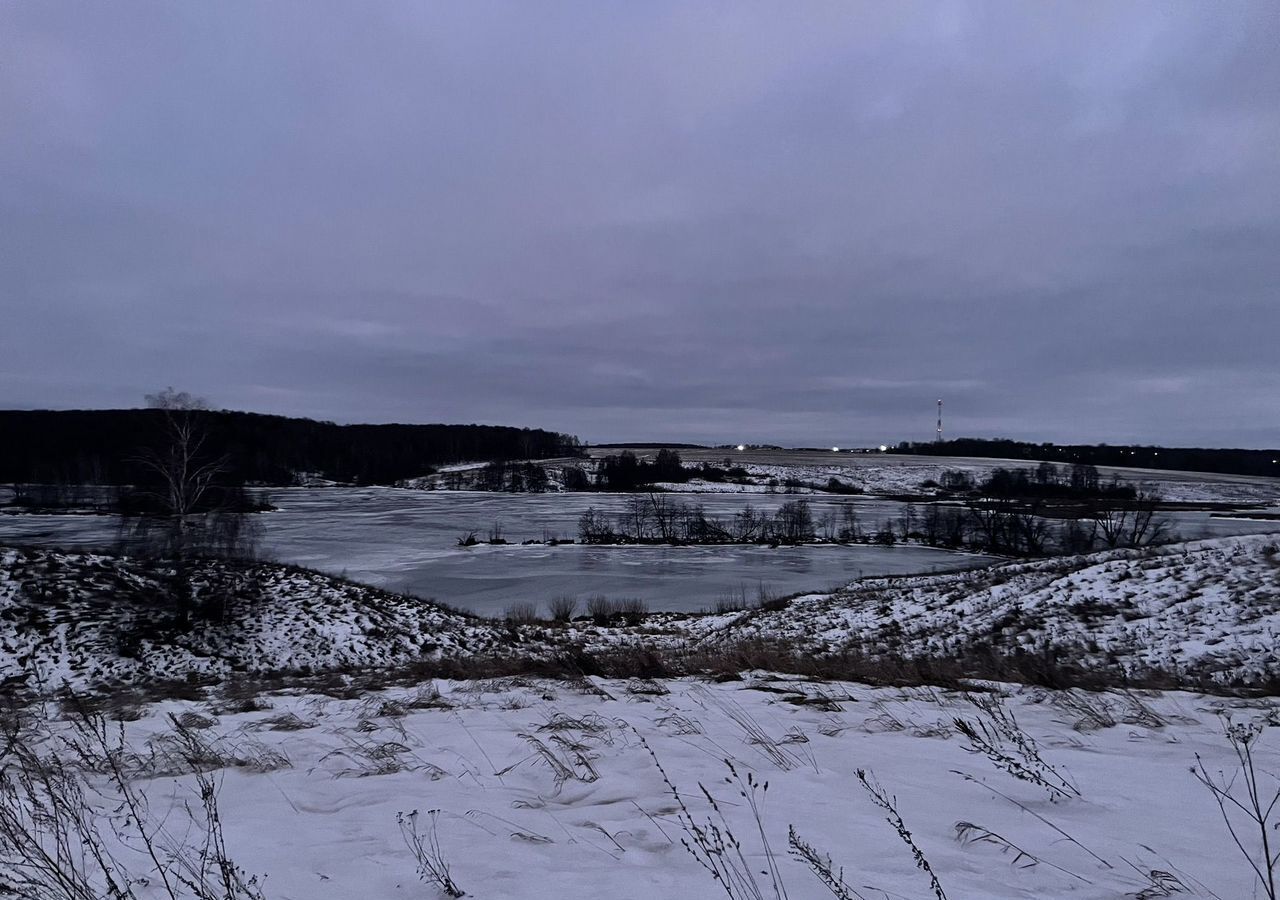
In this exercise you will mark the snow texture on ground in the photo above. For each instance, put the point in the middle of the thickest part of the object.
(552, 789)
(1204, 609)
(85, 619)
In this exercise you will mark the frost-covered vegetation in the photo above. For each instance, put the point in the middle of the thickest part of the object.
(763, 787)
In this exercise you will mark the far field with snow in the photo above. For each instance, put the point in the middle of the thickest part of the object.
(894, 474)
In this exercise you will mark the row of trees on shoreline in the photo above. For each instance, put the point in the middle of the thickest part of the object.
(661, 519)
(617, 473)
(1001, 526)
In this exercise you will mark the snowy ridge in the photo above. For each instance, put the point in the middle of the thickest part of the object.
(87, 619)
(1207, 610)
(1200, 613)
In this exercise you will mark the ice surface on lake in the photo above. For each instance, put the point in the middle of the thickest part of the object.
(407, 541)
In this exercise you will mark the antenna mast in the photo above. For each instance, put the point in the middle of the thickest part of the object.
(938, 437)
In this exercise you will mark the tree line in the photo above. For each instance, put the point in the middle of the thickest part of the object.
(999, 525)
(80, 447)
(616, 473)
(1072, 484)
(658, 518)
(1228, 461)
(1033, 512)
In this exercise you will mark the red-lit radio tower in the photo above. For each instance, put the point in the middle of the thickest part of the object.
(938, 438)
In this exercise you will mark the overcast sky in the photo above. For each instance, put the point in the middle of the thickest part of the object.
(799, 223)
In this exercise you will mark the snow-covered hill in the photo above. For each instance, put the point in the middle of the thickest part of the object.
(1204, 611)
(84, 619)
(1203, 614)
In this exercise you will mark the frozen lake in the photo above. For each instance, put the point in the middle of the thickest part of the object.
(407, 541)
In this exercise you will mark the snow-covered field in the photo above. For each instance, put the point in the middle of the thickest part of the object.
(538, 789)
(890, 480)
(1175, 487)
(892, 474)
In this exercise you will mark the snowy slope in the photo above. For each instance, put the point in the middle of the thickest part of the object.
(85, 618)
(1204, 609)
(1205, 613)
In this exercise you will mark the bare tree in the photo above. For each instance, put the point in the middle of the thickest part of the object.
(636, 518)
(1078, 535)
(931, 524)
(1132, 523)
(184, 472)
(1084, 478)
(793, 522)
(992, 521)
(849, 530)
(907, 521)
(1031, 529)
(190, 509)
(664, 516)
(748, 525)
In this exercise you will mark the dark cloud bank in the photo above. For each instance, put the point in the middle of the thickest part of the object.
(799, 223)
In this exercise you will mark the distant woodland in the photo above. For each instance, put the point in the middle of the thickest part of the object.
(105, 446)
(1184, 459)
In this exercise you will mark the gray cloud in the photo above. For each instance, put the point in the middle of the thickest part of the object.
(785, 223)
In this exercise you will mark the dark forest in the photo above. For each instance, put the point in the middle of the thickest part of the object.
(103, 446)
